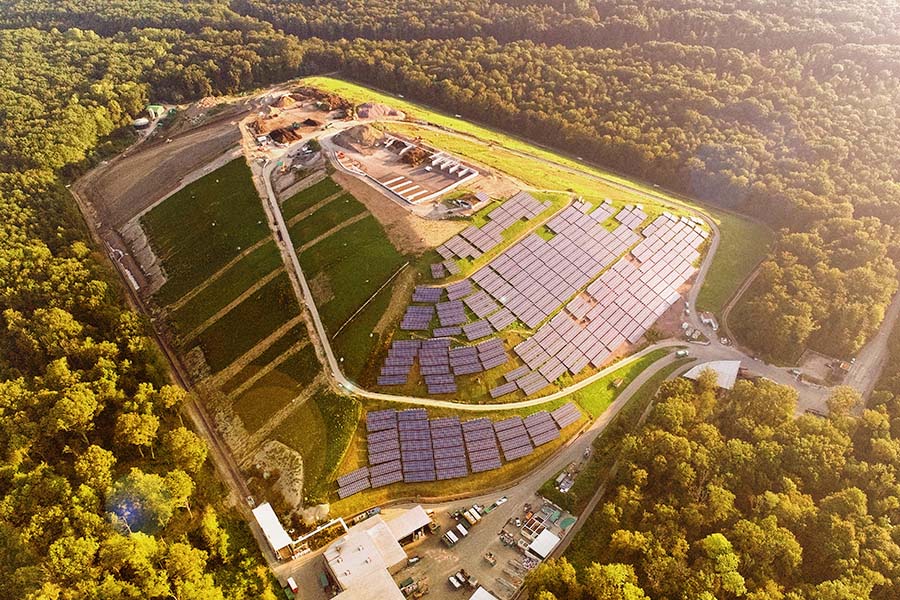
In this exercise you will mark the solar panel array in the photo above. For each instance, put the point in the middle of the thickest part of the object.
(424, 293)
(477, 330)
(541, 428)
(434, 365)
(407, 446)
(472, 241)
(631, 216)
(534, 276)
(565, 415)
(481, 304)
(451, 313)
(513, 438)
(481, 445)
(417, 318)
(460, 289)
(449, 450)
(438, 270)
(399, 362)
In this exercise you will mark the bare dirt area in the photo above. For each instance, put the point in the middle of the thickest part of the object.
(133, 182)
(406, 231)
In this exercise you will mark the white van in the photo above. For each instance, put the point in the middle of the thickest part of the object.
(450, 539)
(462, 530)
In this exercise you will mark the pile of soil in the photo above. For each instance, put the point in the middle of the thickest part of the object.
(331, 101)
(372, 110)
(360, 138)
(285, 102)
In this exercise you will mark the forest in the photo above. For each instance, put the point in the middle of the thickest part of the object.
(728, 495)
(786, 111)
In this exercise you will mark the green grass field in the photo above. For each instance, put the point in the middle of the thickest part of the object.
(248, 323)
(279, 347)
(320, 430)
(306, 198)
(231, 284)
(357, 261)
(198, 229)
(274, 390)
(596, 397)
(743, 244)
(324, 219)
(357, 341)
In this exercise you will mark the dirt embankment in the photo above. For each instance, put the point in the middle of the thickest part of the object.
(408, 233)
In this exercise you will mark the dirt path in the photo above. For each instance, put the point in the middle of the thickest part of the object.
(305, 213)
(251, 442)
(231, 370)
(228, 307)
(187, 297)
(333, 230)
(268, 368)
(409, 233)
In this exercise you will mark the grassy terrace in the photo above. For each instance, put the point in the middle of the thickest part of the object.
(308, 197)
(356, 261)
(280, 346)
(324, 219)
(743, 245)
(232, 283)
(274, 390)
(248, 323)
(320, 429)
(198, 229)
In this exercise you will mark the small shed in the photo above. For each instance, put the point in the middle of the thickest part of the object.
(156, 110)
(543, 544)
(406, 525)
(273, 530)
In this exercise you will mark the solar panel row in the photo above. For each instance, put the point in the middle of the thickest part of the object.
(438, 271)
(353, 476)
(353, 488)
(565, 415)
(503, 389)
(387, 479)
(424, 293)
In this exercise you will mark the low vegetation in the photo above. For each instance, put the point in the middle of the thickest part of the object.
(355, 261)
(248, 323)
(200, 228)
(320, 222)
(308, 197)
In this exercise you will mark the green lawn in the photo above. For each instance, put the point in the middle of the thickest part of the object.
(596, 397)
(275, 389)
(326, 218)
(278, 348)
(231, 284)
(356, 343)
(743, 244)
(307, 197)
(248, 323)
(320, 430)
(198, 229)
(357, 260)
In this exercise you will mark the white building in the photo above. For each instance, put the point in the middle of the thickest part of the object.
(274, 532)
(362, 561)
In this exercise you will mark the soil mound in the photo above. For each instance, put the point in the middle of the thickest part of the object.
(372, 110)
(360, 138)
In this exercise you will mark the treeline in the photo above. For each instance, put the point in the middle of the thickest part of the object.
(104, 491)
(744, 24)
(728, 495)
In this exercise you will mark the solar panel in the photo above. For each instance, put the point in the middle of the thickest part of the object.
(387, 479)
(383, 469)
(353, 476)
(353, 488)
(383, 457)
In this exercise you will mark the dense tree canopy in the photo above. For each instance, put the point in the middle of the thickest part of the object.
(730, 496)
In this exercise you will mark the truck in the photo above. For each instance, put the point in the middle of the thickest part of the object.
(449, 539)
(467, 515)
(463, 532)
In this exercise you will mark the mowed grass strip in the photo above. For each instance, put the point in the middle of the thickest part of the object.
(357, 261)
(596, 397)
(248, 323)
(198, 229)
(320, 430)
(326, 218)
(742, 245)
(307, 197)
(277, 388)
(281, 345)
(355, 344)
(231, 284)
